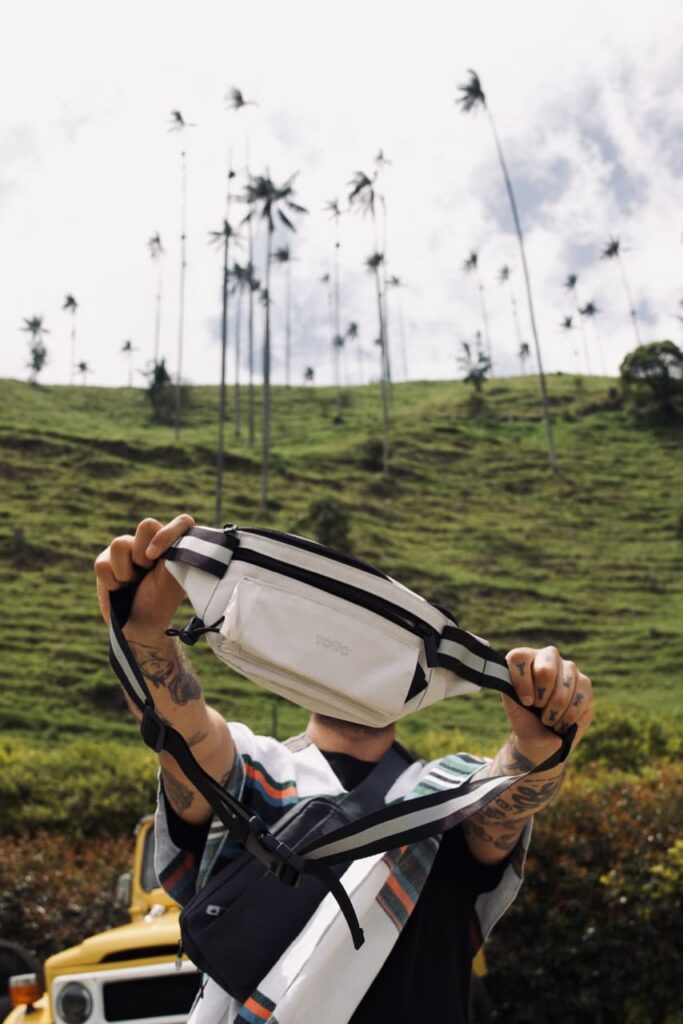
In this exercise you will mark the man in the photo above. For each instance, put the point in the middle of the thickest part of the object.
(432, 902)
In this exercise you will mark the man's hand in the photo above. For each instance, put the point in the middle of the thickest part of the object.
(543, 679)
(128, 559)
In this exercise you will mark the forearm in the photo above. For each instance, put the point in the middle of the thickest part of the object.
(495, 830)
(179, 700)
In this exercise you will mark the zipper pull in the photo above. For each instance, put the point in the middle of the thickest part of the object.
(179, 956)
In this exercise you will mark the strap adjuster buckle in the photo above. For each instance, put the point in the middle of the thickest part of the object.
(280, 859)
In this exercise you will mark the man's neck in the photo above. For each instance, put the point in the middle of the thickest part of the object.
(364, 746)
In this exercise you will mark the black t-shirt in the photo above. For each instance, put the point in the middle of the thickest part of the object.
(427, 973)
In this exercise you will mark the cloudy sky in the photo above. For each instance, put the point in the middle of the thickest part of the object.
(588, 98)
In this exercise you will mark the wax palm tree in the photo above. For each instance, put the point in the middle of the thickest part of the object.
(156, 251)
(127, 349)
(309, 374)
(272, 203)
(84, 370)
(38, 352)
(374, 264)
(471, 266)
(253, 286)
(352, 335)
(332, 207)
(70, 305)
(178, 124)
(524, 353)
(504, 278)
(221, 240)
(613, 251)
(473, 98)
(364, 197)
(572, 286)
(590, 310)
(395, 283)
(283, 256)
(567, 324)
(239, 276)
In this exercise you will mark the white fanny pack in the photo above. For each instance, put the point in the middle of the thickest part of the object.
(324, 630)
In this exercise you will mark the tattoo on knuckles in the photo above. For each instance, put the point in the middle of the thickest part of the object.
(578, 700)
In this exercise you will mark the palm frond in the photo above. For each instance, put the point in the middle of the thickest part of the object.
(570, 282)
(472, 93)
(567, 324)
(611, 250)
(285, 220)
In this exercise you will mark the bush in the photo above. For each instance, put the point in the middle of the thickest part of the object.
(55, 892)
(372, 455)
(82, 789)
(329, 521)
(626, 742)
(595, 934)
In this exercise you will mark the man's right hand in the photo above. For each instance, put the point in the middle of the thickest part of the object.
(128, 559)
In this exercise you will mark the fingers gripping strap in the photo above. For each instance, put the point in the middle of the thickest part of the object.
(204, 548)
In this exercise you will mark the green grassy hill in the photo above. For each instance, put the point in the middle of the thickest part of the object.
(470, 515)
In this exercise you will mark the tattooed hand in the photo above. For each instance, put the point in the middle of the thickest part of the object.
(126, 559)
(543, 679)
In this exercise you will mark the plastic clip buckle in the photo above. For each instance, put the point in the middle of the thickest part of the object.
(282, 861)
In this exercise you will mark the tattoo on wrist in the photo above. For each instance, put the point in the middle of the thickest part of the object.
(172, 674)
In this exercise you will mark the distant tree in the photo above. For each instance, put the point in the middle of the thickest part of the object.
(160, 392)
(477, 366)
(395, 282)
(84, 370)
(505, 279)
(326, 281)
(352, 335)
(156, 251)
(70, 305)
(374, 263)
(471, 266)
(37, 350)
(309, 374)
(332, 207)
(253, 286)
(613, 251)
(473, 98)
(571, 284)
(591, 311)
(524, 354)
(283, 256)
(657, 367)
(127, 349)
(178, 124)
(365, 197)
(568, 325)
(221, 239)
(272, 202)
(240, 277)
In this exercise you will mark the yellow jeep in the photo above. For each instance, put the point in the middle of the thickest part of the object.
(121, 975)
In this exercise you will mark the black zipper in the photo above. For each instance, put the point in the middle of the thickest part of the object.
(380, 606)
(310, 545)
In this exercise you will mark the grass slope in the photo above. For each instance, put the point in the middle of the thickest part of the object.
(470, 515)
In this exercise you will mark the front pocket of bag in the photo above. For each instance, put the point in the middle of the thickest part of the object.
(321, 640)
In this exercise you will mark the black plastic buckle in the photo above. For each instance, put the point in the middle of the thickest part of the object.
(152, 729)
(283, 862)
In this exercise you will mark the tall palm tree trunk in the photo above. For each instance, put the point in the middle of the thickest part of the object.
(157, 318)
(532, 316)
(237, 404)
(222, 401)
(250, 394)
(181, 312)
(485, 320)
(384, 384)
(265, 474)
(73, 350)
(629, 299)
(288, 322)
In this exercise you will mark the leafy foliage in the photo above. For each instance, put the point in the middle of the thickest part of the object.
(330, 522)
(604, 895)
(55, 891)
(657, 368)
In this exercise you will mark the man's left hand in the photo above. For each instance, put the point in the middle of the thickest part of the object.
(543, 679)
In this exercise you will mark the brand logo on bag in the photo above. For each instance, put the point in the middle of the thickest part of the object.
(336, 646)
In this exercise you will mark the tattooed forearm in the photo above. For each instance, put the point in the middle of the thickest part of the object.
(171, 673)
(178, 794)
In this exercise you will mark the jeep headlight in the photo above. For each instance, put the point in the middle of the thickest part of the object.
(74, 1003)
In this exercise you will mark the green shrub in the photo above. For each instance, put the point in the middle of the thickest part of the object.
(627, 742)
(595, 934)
(81, 789)
(55, 892)
(329, 522)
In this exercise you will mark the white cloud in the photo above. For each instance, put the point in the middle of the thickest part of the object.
(586, 103)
